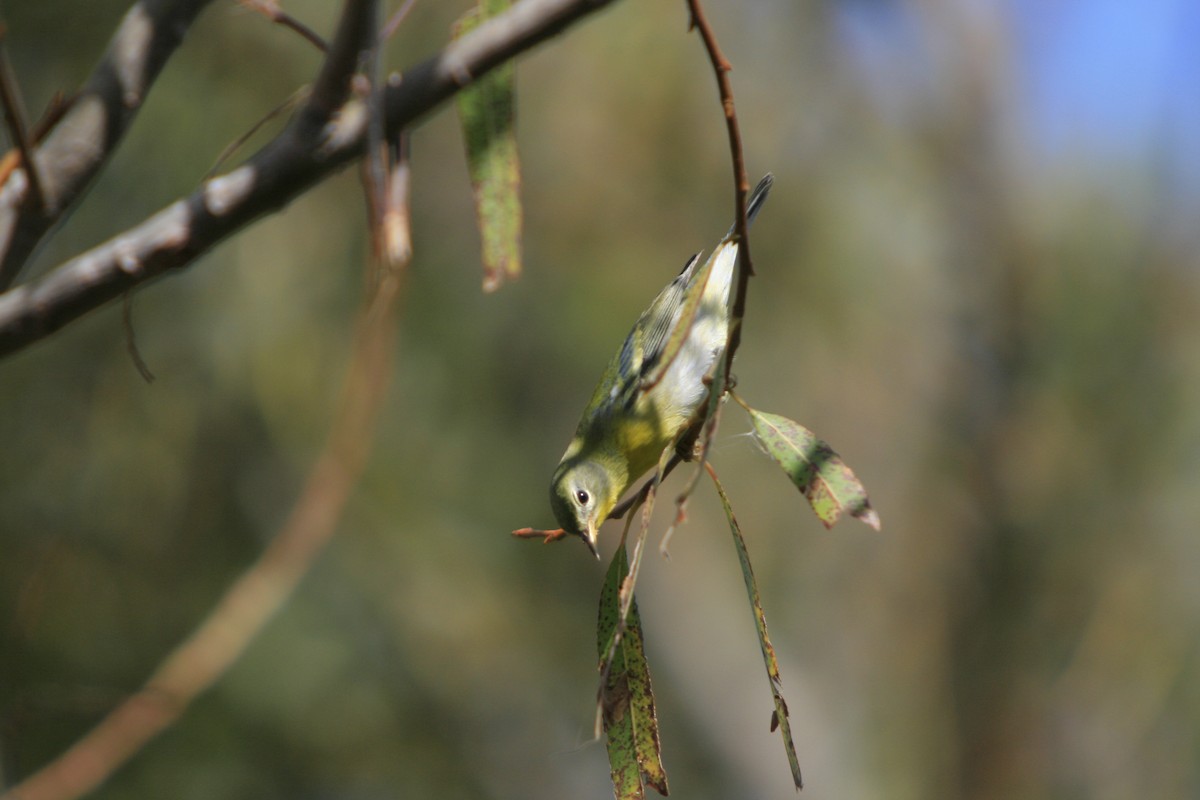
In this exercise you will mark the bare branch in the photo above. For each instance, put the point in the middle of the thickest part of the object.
(307, 151)
(393, 24)
(375, 166)
(721, 68)
(131, 347)
(14, 115)
(297, 97)
(354, 35)
(271, 10)
(397, 224)
(82, 141)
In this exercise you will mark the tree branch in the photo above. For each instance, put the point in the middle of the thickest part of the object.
(307, 151)
(721, 68)
(353, 36)
(82, 141)
(271, 10)
(14, 115)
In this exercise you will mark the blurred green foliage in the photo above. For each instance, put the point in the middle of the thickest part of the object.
(1005, 355)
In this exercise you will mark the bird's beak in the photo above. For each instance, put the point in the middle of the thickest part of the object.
(589, 538)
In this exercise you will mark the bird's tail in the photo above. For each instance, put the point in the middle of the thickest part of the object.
(757, 198)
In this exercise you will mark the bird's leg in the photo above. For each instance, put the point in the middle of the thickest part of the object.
(687, 447)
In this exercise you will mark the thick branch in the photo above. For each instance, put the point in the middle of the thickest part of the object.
(332, 85)
(302, 155)
(89, 132)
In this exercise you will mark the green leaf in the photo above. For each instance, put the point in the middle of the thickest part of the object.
(487, 110)
(626, 696)
(779, 718)
(641, 700)
(830, 486)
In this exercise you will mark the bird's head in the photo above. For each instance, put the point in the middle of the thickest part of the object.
(582, 494)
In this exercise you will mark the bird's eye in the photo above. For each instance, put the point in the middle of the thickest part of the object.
(582, 497)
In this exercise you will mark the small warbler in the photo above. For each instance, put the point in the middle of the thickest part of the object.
(627, 426)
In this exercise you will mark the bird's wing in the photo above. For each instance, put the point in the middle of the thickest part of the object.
(649, 336)
(644, 345)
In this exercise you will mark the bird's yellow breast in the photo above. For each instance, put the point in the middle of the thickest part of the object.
(646, 432)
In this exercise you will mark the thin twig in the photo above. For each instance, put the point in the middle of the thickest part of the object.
(58, 106)
(722, 375)
(375, 166)
(721, 68)
(393, 24)
(14, 116)
(397, 225)
(298, 96)
(271, 10)
(706, 436)
(131, 346)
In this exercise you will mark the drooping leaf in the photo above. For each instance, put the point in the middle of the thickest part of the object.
(487, 112)
(779, 717)
(641, 705)
(831, 487)
(629, 572)
(614, 687)
(626, 696)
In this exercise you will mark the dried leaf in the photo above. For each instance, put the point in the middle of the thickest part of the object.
(779, 718)
(487, 110)
(830, 486)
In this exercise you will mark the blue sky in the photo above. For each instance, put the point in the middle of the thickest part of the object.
(1110, 80)
(1119, 74)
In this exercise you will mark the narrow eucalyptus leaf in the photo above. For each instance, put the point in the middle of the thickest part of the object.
(641, 705)
(626, 696)
(779, 718)
(487, 112)
(614, 688)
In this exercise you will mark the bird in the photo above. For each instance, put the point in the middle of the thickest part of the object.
(638, 409)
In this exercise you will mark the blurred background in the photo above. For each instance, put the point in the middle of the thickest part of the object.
(977, 279)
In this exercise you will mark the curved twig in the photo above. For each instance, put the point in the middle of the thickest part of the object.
(270, 9)
(14, 116)
(721, 68)
(722, 374)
